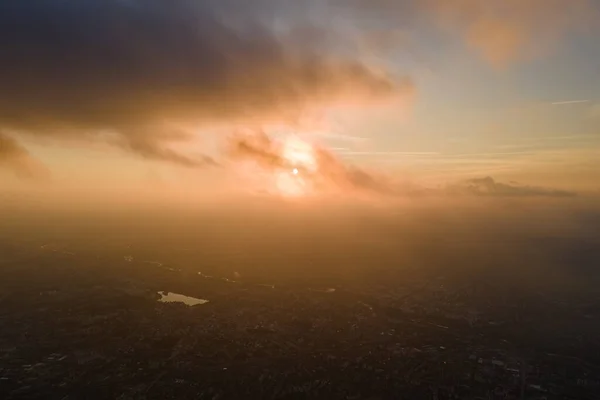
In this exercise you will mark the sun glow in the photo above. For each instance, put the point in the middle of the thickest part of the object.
(301, 158)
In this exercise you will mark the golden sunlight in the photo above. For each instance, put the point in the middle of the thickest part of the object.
(300, 155)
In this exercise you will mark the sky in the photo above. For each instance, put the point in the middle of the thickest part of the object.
(300, 97)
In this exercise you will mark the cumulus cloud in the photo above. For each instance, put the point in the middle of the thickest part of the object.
(137, 69)
(16, 158)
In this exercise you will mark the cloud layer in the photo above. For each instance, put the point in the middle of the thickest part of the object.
(488, 186)
(331, 173)
(142, 74)
(143, 69)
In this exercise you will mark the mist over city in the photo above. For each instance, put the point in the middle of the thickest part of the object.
(299, 199)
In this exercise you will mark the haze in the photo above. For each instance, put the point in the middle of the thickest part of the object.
(364, 149)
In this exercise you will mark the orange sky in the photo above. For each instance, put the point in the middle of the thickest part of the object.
(393, 98)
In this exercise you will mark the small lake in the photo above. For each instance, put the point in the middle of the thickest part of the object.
(168, 297)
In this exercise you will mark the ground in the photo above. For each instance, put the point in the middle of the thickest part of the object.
(81, 325)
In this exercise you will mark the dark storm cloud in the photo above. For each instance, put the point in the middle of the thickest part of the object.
(132, 68)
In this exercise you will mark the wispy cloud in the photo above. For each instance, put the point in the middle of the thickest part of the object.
(551, 143)
(338, 136)
(511, 30)
(561, 103)
(15, 157)
(488, 186)
(389, 153)
(488, 154)
(329, 171)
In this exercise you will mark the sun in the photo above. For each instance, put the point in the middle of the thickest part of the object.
(295, 180)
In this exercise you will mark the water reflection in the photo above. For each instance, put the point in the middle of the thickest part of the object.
(168, 297)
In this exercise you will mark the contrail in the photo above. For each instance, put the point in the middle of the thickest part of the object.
(560, 103)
